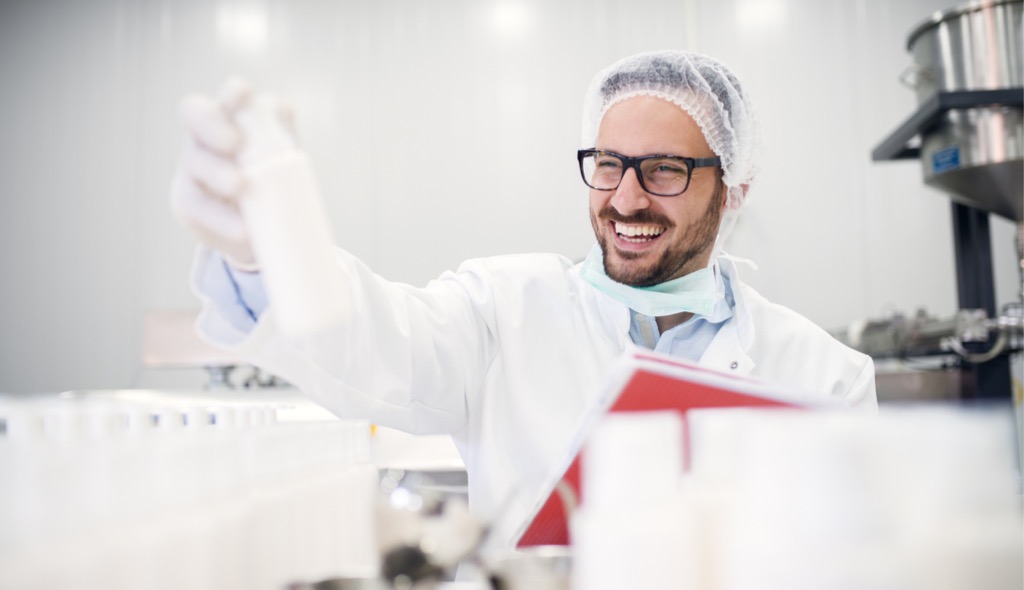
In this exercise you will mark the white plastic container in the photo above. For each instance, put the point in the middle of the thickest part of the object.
(633, 529)
(288, 225)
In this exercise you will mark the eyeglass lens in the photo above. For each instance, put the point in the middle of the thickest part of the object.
(660, 176)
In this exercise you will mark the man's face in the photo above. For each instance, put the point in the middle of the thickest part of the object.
(647, 239)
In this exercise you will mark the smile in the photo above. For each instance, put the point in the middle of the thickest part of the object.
(638, 233)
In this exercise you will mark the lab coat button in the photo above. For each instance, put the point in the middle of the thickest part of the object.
(734, 365)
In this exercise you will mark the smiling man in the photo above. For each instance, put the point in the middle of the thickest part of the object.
(508, 354)
(645, 239)
(648, 231)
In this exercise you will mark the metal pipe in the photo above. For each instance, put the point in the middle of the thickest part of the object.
(998, 346)
(1020, 257)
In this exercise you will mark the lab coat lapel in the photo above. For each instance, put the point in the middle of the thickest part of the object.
(614, 315)
(729, 349)
(726, 352)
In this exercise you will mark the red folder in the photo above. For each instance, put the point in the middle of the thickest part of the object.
(646, 381)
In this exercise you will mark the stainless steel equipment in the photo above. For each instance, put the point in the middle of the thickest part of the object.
(919, 356)
(968, 134)
(902, 337)
(976, 154)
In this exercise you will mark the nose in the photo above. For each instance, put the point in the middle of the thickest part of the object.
(630, 196)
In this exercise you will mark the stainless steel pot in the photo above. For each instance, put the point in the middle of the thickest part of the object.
(976, 46)
(976, 154)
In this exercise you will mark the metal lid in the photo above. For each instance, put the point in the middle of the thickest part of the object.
(941, 16)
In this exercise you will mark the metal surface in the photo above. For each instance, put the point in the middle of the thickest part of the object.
(923, 357)
(899, 145)
(902, 383)
(968, 77)
(1020, 258)
(543, 567)
(972, 147)
(974, 46)
(973, 152)
(342, 584)
(921, 335)
(976, 290)
(977, 157)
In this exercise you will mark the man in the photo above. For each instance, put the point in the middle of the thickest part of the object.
(507, 354)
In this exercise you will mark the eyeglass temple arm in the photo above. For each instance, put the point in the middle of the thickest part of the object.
(706, 162)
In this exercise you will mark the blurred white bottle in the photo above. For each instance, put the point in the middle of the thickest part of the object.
(633, 529)
(288, 224)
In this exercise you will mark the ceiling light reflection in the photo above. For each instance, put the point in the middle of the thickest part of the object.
(760, 15)
(242, 27)
(510, 18)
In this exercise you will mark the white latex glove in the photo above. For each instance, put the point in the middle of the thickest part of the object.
(246, 189)
(210, 179)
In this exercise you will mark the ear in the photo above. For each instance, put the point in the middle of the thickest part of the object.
(722, 191)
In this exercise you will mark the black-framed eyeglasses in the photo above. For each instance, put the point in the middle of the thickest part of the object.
(661, 175)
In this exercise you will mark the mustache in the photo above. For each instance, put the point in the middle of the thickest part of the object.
(645, 216)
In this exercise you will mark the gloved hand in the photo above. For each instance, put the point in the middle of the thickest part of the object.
(247, 190)
(210, 176)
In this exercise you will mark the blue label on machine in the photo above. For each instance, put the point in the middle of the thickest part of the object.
(946, 159)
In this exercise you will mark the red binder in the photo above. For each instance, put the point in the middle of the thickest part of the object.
(646, 381)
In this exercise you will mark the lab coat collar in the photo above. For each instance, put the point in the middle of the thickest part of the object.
(729, 350)
(614, 314)
(742, 310)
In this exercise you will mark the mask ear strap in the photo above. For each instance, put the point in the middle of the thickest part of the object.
(725, 227)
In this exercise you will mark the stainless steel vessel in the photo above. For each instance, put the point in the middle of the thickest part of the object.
(975, 154)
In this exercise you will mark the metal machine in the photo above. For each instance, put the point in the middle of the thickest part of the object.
(968, 75)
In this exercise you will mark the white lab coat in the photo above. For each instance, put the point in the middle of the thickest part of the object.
(507, 355)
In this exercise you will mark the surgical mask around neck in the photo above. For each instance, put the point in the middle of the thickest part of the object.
(693, 293)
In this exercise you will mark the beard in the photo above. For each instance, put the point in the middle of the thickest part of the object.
(675, 260)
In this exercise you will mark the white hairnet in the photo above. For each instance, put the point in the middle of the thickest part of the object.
(699, 85)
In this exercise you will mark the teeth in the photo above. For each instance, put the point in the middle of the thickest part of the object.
(638, 230)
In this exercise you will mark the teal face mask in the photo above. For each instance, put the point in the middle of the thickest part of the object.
(694, 293)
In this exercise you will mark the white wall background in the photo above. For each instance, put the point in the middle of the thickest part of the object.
(407, 108)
